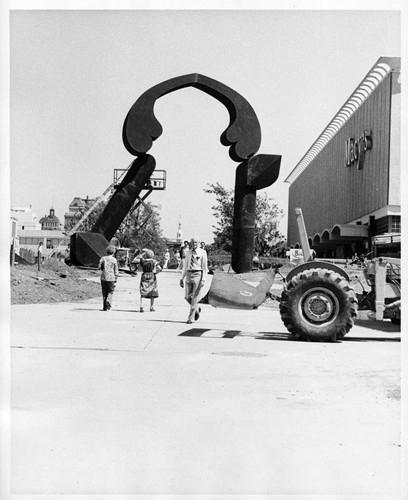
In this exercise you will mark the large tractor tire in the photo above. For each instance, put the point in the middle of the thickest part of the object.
(318, 304)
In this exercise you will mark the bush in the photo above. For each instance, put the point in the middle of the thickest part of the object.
(219, 260)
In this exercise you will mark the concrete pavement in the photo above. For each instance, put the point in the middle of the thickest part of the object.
(122, 402)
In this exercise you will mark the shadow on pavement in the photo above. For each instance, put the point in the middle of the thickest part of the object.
(371, 339)
(384, 326)
(101, 310)
(230, 334)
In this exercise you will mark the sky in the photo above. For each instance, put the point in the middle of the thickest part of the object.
(74, 75)
(70, 72)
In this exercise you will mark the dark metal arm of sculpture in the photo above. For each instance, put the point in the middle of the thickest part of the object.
(126, 194)
(258, 172)
(243, 133)
(242, 136)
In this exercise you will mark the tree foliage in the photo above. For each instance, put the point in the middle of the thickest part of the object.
(223, 213)
(140, 229)
(88, 223)
(267, 234)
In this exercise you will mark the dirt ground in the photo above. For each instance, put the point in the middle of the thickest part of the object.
(54, 282)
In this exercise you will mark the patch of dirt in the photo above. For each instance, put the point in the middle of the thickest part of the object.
(54, 282)
(394, 393)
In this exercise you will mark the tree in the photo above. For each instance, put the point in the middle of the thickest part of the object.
(267, 213)
(88, 223)
(140, 229)
(224, 213)
(267, 234)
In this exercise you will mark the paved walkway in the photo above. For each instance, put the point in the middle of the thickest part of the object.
(122, 402)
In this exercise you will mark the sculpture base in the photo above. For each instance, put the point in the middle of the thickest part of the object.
(86, 249)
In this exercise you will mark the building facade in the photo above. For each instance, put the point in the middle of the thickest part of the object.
(30, 239)
(26, 218)
(51, 222)
(76, 207)
(30, 232)
(348, 182)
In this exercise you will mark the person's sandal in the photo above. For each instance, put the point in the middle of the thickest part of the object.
(152, 309)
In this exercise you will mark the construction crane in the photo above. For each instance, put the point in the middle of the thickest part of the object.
(102, 198)
(156, 182)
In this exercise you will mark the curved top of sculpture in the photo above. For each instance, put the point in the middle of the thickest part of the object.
(243, 133)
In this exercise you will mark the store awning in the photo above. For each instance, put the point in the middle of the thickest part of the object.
(339, 234)
(348, 231)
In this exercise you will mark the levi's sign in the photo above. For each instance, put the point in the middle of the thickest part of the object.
(356, 149)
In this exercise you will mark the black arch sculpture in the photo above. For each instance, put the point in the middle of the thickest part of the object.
(243, 133)
(243, 137)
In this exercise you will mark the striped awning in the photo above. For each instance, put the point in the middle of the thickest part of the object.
(382, 68)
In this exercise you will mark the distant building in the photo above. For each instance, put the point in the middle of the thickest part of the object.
(30, 239)
(51, 222)
(174, 245)
(179, 236)
(26, 218)
(14, 242)
(30, 232)
(77, 205)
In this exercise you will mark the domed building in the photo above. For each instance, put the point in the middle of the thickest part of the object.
(31, 232)
(51, 222)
